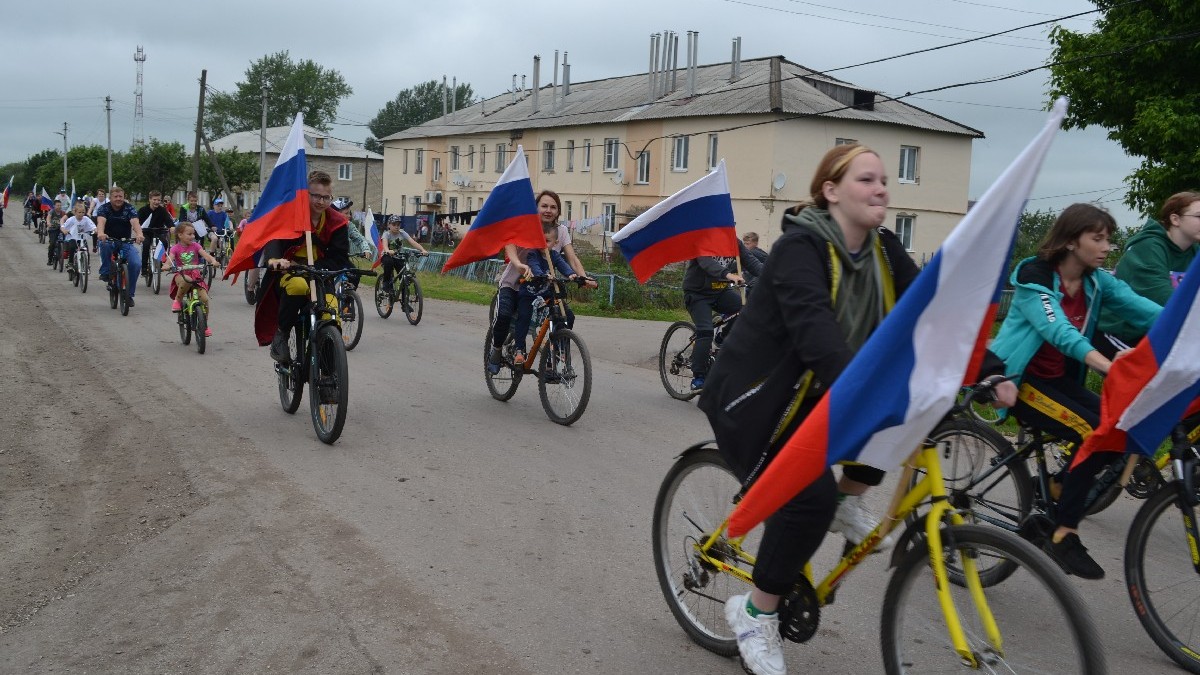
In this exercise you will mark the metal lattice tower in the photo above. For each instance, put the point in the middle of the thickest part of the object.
(140, 58)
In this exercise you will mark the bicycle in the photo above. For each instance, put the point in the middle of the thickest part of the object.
(59, 256)
(79, 265)
(350, 310)
(404, 288)
(565, 373)
(28, 218)
(118, 284)
(152, 270)
(193, 316)
(223, 249)
(1041, 623)
(675, 354)
(40, 228)
(317, 355)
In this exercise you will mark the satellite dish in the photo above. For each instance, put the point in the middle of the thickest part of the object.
(779, 181)
(619, 176)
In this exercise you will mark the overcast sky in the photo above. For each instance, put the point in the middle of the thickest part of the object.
(383, 46)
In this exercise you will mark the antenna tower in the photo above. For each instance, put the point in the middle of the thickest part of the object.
(140, 58)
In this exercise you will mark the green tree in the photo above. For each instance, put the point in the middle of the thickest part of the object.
(295, 86)
(413, 106)
(1033, 227)
(47, 171)
(1132, 76)
(154, 165)
(87, 165)
(240, 169)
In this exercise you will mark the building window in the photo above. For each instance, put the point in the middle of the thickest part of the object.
(501, 162)
(482, 158)
(437, 169)
(610, 217)
(470, 204)
(583, 210)
(454, 205)
(470, 158)
(712, 151)
(587, 154)
(570, 155)
(679, 154)
(343, 172)
(454, 158)
(844, 141)
(904, 230)
(612, 146)
(909, 156)
(403, 205)
(548, 156)
(643, 168)
(406, 160)
(420, 168)
(568, 210)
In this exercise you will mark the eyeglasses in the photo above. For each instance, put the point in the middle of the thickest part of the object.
(1185, 215)
(320, 198)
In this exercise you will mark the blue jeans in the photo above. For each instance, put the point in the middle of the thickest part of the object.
(132, 256)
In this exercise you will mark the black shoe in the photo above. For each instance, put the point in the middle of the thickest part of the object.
(105, 278)
(1072, 556)
(130, 303)
(279, 347)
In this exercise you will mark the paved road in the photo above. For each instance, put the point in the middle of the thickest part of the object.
(161, 514)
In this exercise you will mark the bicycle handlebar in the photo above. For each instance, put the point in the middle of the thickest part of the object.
(983, 392)
(308, 270)
(546, 278)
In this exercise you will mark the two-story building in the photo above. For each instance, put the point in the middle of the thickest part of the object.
(614, 147)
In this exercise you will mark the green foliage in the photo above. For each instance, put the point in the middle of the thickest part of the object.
(154, 165)
(295, 86)
(47, 171)
(413, 106)
(1147, 96)
(240, 169)
(87, 165)
(1031, 230)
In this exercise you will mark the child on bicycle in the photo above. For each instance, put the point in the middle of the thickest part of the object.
(54, 222)
(531, 289)
(392, 243)
(74, 229)
(187, 251)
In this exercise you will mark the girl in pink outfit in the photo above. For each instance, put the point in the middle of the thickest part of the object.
(187, 251)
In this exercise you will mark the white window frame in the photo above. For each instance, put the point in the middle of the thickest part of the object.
(470, 158)
(436, 167)
(501, 159)
(482, 158)
(454, 163)
(609, 209)
(612, 155)
(345, 171)
(470, 204)
(583, 210)
(567, 210)
(712, 152)
(910, 164)
(548, 156)
(403, 205)
(405, 160)
(643, 168)
(844, 141)
(454, 205)
(570, 156)
(906, 224)
(587, 155)
(420, 167)
(679, 154)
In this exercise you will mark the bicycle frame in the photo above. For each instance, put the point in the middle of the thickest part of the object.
(929, 489)
(557, 316)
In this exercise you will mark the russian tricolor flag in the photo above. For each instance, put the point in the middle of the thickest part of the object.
(282, 211)
(160, 252)
(47, 202)
(7, 190)
(1149, 388)
(696, 221)
(508, 216)
(376, 235)
(905, 378)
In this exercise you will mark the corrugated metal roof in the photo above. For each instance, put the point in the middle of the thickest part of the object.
(247, 141)
(623, 99)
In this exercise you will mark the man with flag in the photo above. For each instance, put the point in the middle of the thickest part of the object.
(4, 205)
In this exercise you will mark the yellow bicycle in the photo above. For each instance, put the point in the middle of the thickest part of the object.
(928, 623)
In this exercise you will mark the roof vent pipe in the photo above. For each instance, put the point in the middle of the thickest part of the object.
(664, 83)
(453, 96)
(443, 96)
(653, 64)
(566, 76)
(537, 72)
(695, 63)
(514, 88)
(737, 63)
(687, 73)
(522, 85)
(554, 88)
(674, 60)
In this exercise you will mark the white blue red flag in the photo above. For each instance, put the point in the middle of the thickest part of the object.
(376, 235)
(696, 221)
(282, 211)
(906, 376)
(508, 216)
(7, 190)
(160, 252)
(47, 202)
(1149, 388)
(68, 207)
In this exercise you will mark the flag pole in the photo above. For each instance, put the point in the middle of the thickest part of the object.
(738, 259)
(312, 288)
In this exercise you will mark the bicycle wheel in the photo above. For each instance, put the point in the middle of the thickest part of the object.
(1162, 582)
(83, 268)
(1044, 624)
(59, 263)
(250, 293)
(503, 384)
(185, 323)
(290, 377)
(351, 308)
(329, 384)
(693, 501)
(383, 300)
(200, 318)
(492, 308)
(123, 294)
(565, 378)
(1004, 498)
(412, 301)
(72, 274)
(155, 275)
(675, 360)
(210, 273)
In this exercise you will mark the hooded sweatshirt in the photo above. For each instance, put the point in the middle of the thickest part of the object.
(1150, 265)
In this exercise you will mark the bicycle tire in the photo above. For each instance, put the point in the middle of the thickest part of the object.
(503, 384)
(185, 324)
(329, 384)
(675, 360)
(492, 308)
(83, 269)
(383, 301)
(250, 294)
(1005, 499)
(200, 317)
(123, 293)
(155, 275)
(59, 263)
(291, 381)
(692, 502)
(72, 274)
(1046, 627)
(351, 321)
(563, 389)
(410, 288)
(1171, 571)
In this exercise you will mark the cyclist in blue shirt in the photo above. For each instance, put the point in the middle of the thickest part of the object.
(117, 219)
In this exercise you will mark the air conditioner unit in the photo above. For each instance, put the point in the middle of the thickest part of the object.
(433, 197)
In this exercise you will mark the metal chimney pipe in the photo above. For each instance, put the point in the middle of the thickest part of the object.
(566, 76)
(695, 63)
(653, 64)
(674, 60)
(554, 88)
(522, 85)
(537, 73)
(664, 80)
(514, 88)
(687, 74)
(443, 96)
(733, 61)
(737, 69)
(453, 96)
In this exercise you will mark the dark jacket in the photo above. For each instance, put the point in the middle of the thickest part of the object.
(161, 220)
(706, 274)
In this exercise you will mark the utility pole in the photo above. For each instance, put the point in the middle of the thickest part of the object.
(199, 130)
(262, 143)
(108, 112)
(212, 156)
(366, 167)
(63, 133)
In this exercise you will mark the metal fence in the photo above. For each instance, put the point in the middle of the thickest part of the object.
(483, 270)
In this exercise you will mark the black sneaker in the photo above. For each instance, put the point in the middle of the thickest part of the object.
(130, 301)
(1072, 556)
(104, 278)
(279, 347)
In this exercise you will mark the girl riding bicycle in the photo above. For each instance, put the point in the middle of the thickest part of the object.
(185, 253)
(75, 230)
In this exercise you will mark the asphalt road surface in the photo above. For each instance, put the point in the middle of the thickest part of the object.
(159, 513)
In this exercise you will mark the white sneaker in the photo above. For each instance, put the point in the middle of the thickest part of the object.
(855, 521)
(758, 637)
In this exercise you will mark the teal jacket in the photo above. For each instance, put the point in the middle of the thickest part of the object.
(1036, 316)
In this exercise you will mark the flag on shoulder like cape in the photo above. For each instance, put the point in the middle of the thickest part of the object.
(282, 210)
(47, 202)
(696, 221)
(1149, 388)
(508, 216)
(906, 376)
(376, 234)
(7, 190)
